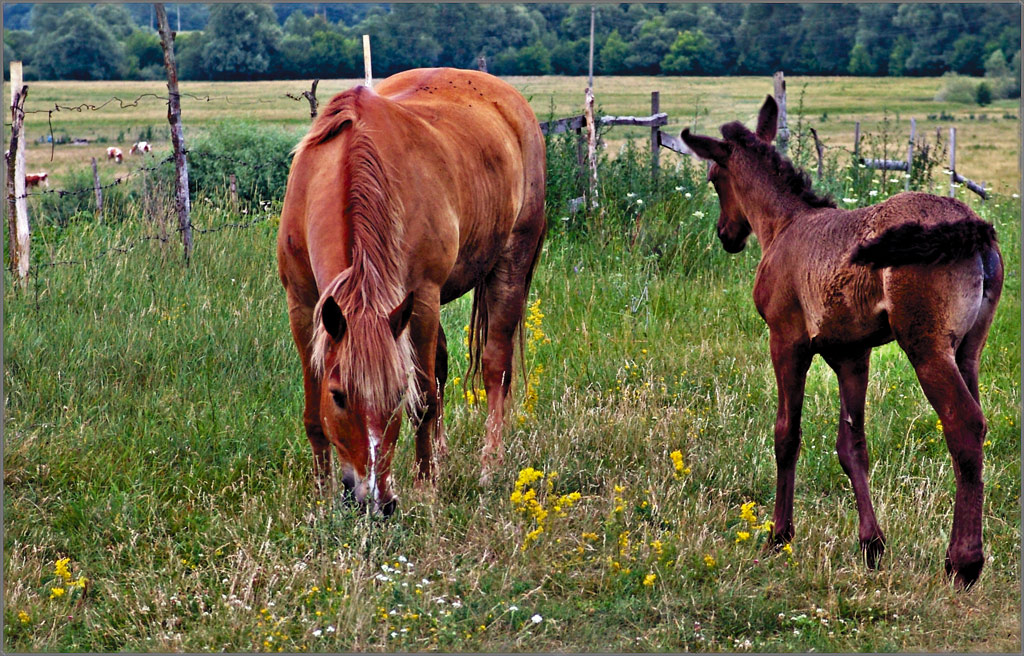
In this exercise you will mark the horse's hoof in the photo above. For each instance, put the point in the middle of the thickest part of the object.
(966, 574)
(872, 548)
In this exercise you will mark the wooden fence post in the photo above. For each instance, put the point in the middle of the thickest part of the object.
(366, 61)
(311, 97)
(782, 136)
(98, 189)
(17, 203)
(233, 188)
(588, 112)
(910, 154)
(655, 108)
(818, 146)
(856, 141)
(590, 66)
(952, 162)
(182, 201)
(481, 63)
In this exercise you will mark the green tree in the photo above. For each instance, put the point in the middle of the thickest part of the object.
(80, 47)
(534, 59)
(243, 41)
(570, 57)
(874, 40)
(117, 18)
(860, 61)
(983, 96)
(144, 56)
(968, 55)
(686, 56)
(995, 65)
(612, 57)
(651, 43)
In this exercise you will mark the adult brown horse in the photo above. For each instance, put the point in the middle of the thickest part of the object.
(917, 268)
(402, 198)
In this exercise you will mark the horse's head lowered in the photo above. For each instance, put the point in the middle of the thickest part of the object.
(730, 168)
(367, 376)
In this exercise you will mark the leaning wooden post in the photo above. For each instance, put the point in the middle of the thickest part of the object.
(311, 97)
(910, 154)
(952, 162)
(182, 201)
(655, 108)
(366, 60)
(588, 112)
(820, 148)
(17, 203)
(782, 136)
(98, 189)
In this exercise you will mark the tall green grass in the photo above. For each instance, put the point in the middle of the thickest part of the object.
(153, 436)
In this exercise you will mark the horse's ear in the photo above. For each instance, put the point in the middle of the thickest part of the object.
(768, 120)
(332, 318)
(707, 147)
(399, 317)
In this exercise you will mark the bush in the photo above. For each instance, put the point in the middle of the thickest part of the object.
(257, 154)
(983, 96)
(957, 88)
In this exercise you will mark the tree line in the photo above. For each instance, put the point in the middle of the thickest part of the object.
(323, 40)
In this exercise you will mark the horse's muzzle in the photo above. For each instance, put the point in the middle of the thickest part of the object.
(357, 493)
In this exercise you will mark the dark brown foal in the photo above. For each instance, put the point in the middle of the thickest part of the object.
(923, 270)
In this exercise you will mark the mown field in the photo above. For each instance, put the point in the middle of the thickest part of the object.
(153, 439)
(988, 137)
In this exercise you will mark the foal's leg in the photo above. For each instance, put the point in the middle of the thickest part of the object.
(791, 361)
(300, 318)
(968, 355)
(964, 427)
(852, 372)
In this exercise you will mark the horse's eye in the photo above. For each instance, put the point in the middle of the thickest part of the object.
(339, 398)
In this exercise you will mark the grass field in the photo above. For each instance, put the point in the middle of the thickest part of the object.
(988, 138)
(153, 438)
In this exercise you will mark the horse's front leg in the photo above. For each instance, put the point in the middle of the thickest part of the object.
(852, 448)
(432, 362)
(791, 359)
(300, 318)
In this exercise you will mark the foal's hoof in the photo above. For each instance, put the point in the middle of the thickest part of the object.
(966, 574)
(872, 548)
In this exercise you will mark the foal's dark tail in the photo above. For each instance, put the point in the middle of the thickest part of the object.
(913, 243)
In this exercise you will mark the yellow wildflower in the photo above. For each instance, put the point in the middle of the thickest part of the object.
(589, 536)
(747, 513)
(741, 536)
(56, 592)
(709, 561)
(649, 579)
(62, 570)
(23, 617)
(788, 549)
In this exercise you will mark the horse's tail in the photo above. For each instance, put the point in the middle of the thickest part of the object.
(913, 243)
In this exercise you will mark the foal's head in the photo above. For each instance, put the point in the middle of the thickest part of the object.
(745, 169)
(367, 376)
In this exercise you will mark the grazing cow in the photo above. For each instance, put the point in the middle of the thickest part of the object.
(115, 154)
(140, 147)
(36, 179)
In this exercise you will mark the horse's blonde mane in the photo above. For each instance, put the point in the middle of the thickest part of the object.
(375, 367)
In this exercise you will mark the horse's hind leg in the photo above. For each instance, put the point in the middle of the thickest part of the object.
(968, 354)
(851, 445)
(505, 291)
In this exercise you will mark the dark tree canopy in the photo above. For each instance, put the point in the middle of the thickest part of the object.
(305, 40)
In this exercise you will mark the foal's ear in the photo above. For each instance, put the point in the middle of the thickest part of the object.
(707, 147)
(399, 317)
(768, 120)
(332, 318)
